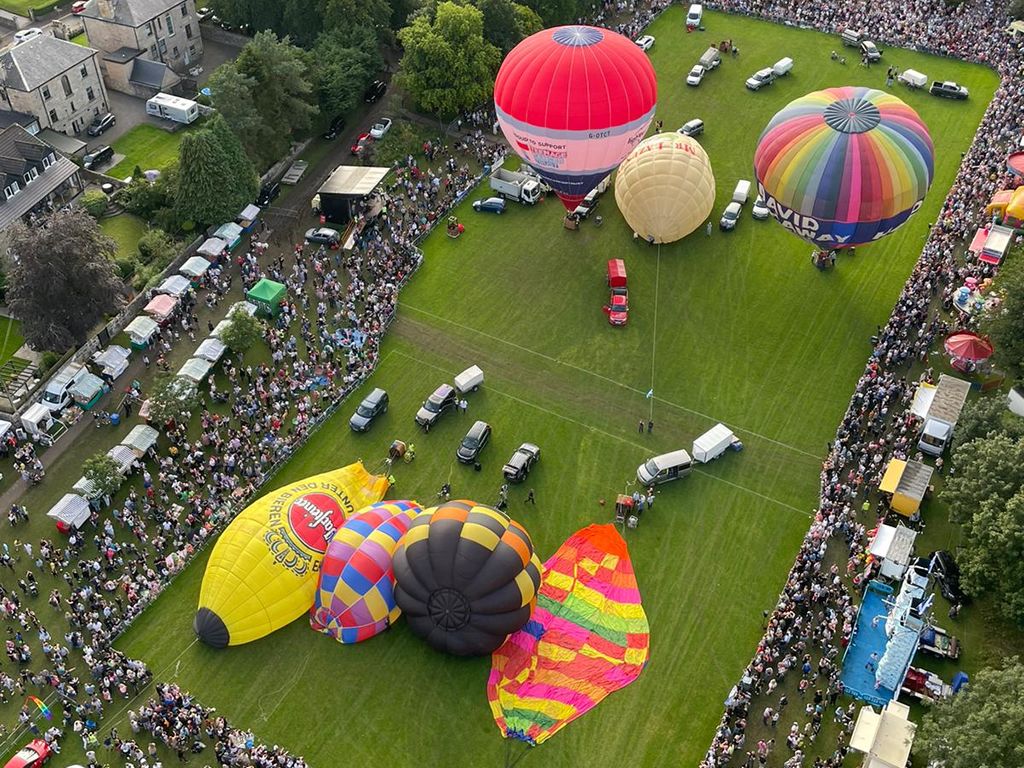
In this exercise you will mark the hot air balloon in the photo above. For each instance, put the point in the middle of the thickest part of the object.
(262, 572)
(465, 577)
(665, 187)
(355, 599)
(587, 638)
(572, 102)
(844, 166)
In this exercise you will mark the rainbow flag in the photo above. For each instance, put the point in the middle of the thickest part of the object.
(587, 638)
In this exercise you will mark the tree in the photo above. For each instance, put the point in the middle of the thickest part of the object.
(1005, 323)
(242, 331)
(980, 726)
(991, 555)
(1016, 9)
(62, 279)
(102, 474)
(243, 177)
(345, 62)
(232, 96)
(447, 66)
(348, 16)
(989, 468)
(555, 12)
(215, 178)
(173, 398)
(983, 416)
(157, 247)
(506, 23)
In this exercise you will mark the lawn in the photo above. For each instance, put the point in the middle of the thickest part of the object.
(146, 146)
(10, 338)
(80, 39)
(737, 328)
(126, 230)
(22, 7)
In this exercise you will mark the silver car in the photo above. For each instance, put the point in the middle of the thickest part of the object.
(730, 216)
(760, 210)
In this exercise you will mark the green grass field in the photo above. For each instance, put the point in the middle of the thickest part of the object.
(126, 230)
(737, 328)
(10, 338)
(148, 147)
(80, 39)
(22, 7)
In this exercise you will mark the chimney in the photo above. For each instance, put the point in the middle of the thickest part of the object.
(106, 8)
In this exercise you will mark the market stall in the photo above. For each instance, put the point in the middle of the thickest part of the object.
(141, 439)
(247, 218)
(112, 361)
(893, 546)
(195, 269)
(213, 248)
(88, 390)
(997, 244)
(141, 331)
(907, 484)
(211, 349)
(885, 737)
(196, 369)
(268, 296)
(242, 306)
(230, 233)
(37, 419)
(72, 511)
(175, 285)
(161, 307)
(125, 458)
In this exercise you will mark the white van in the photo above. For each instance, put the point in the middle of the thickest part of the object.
(742, 192)
(662, 469)
(694, 15)
(57, 393)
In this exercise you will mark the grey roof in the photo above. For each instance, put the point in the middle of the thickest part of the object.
(122, 55)
(148, 73)
(18, 148)
(39, 60)
(133, 13)
(7, 117)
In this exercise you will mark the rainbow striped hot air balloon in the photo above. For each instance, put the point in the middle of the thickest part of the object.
(572, 102)
(844, 166)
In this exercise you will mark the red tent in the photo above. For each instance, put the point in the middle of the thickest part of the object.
(968, 346)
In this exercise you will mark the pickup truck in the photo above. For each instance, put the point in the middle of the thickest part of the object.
(761, 78)
(947, 89)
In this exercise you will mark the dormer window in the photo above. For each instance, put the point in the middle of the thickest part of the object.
(31, 175)
(48, 161)
(11, 190)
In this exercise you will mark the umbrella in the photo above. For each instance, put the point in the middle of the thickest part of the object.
(969, 346)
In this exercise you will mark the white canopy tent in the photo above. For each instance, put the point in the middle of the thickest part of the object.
(141, 329)
(5, 427)
(72, 510)
(141, 439)
(175, 285)
(113, 360)
(37, 419)
(893, 545)
(195, 267)
(212, 248)
(884, 737)
(248, 215)
(124, 457)
(196, 369)
(84, 488)
(211, 349)
(242, 306)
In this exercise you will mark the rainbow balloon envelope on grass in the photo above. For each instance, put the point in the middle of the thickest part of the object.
(844, 166)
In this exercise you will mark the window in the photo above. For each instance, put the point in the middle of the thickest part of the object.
(46, 92)
(66, 84)
(89, 92)
(11, 190)
(184, 10)
(85, 71)
(53, 115)
(175, 52)
(149, 29)
(162, 45)
(188, 31)
(48, 161)
(159, 24)
(31, 175)
(170, 26)
(153, 54)
(72, 106)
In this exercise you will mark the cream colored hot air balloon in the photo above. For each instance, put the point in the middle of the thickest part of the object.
(665, 187)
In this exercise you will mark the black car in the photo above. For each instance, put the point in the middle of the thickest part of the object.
(97, 157)
(947, 574)
(522, 461)
(336, 127)
(473, 442)
(375, 90)
(375, 404)
(101, 123)
(442, 399)
(268, 194)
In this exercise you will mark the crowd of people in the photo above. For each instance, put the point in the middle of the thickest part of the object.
(322, 345)
(809, 628)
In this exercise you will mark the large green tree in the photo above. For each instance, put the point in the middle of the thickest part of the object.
(981, 726)
(242, 331)
(345, 62)
(448, 67)
(202, 176)
(506, 22)
(232, 96)
(983, 416)
(102, 473)
(989, 468)
(1005, 323)
(62, 279)
(244, 181)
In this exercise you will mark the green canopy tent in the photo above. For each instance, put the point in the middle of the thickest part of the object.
(267, 296)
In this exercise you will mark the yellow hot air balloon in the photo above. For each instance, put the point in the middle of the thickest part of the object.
(665, 187)
(263, 571)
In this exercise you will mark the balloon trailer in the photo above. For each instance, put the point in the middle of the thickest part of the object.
(455, 227)
(626, 512)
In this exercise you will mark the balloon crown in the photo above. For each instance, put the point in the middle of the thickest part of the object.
(577, 36)
(852, 115)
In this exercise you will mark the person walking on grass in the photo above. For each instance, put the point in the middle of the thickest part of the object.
(530, 498)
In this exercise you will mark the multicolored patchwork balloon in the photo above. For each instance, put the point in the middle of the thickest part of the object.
(572, 102)
(844, 166)
(355, 598)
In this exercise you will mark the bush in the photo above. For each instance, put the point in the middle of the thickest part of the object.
(126, 266)
(157, 247)
(1016, 9)
(47, 360)
(95, 202)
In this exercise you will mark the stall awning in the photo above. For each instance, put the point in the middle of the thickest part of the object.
(907, 481)
(978, 241)
(112, 358)
(141, 328)
(211, 349)
(242, 306)
(196, 369)
(212, 247)
(175, 285)
(218, 329)
(353, 180)
(229, 232)
(5, 427)
(923, 397)
(84, 488)
(197, 266)
(72, 509)
(161, 306)
(141, 439)
(86, 388)
(886, 737)
(124, 456)
(249, 213)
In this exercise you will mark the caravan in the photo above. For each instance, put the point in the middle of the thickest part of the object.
(173, 108)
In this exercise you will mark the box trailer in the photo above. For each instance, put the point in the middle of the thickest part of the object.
(173, 108)
(943, 412)
(713, 443)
